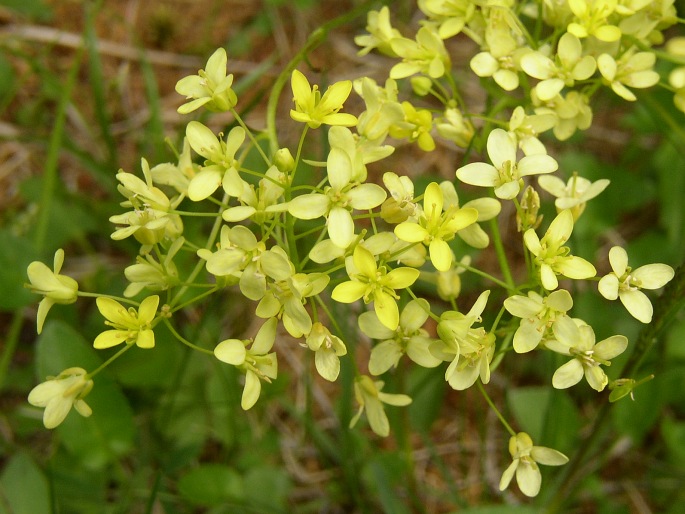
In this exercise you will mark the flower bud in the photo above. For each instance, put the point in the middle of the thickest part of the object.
(283, 160)
(527, 217)
(421, 85)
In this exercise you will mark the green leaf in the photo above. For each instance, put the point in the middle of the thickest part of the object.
(17, 253)
(35, 9)
(674, 436)
(529, 406)
(384, 474)
(211, 484)
(23, 487)
(109, 432)
(267, 478)
(427, 389)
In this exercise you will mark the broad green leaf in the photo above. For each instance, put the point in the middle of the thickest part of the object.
(17, 253)
(212, 484)
(267, 478)
(23, 487)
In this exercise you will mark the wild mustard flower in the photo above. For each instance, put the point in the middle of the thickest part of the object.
(435, 226)
(574, 194)
(59, 394)
(258, 362)
(258, 203)
(573, 112)
(632, 69)
(370, 398)
(592, 19)
(450, 16)
(426, 54)
(538, 316)
(178, 175)
(210, 88)
(525, 464)
(287, 291)
(408, 338)
(335, 203)
(382, 108)
(626, 283)
(128, 325)
(487, 208)
(375, 284)
(55, 287)
(570, 66)
(577, 339)
(328, 349)
(237, 260)
(400, 205)
(526, 128)
(221, 167)
(151, 274)
(454, 127)
(501, 55)
(416, 126)
(380, 33)
(316, 110)
(150, 221)
(469, 349)
(552, 258)
(506, 172)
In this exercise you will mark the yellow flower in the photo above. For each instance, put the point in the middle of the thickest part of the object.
(129, 325)
(55, 288)
(59, 394)
(630, 70)
(377, 284)
(577, 339)
(505, 173)
(313, 109)
(370, 398)
(435, 227)
(525, 465)
(626, 283)
(328, 348)
(552, 257)
(211, 87)
(258, 363)
(427, 55)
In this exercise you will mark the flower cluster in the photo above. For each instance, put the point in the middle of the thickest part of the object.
(292, 246)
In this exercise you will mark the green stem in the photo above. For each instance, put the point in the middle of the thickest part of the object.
(109, 361)
(492, 406)
(501, 255)
(11, 341)
(119, 299)
(50, 174)
(184, 340)
(251, 136)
